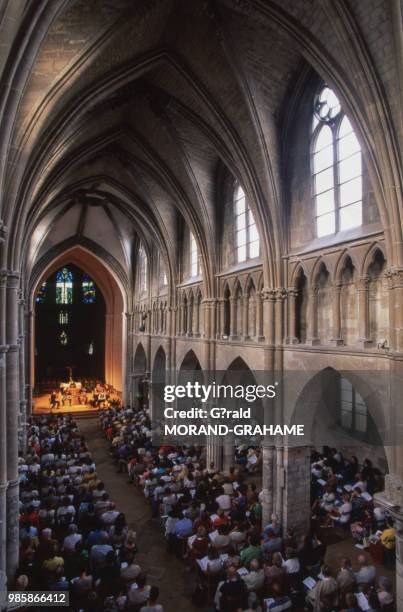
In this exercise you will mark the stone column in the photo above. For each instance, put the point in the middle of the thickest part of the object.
(233, 321)
(190, 318)
(296, 512)
(214, 453)
(228, 453)
(312, 318)
(127, 384)
(259, 317)
(268, 315)
(245, 317)
(221, 317)
(23, 401)
(29, 360)
(281, 295)
(337, 340)
(197, 318)
(268, 481)
(12, 395)
(395, 282)
(292, 295)
(363, 311)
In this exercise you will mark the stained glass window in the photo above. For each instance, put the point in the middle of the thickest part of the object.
(89, 291)
(91, 349)
(63, 317)
(64, 286)
(63, 338)
(41, 295)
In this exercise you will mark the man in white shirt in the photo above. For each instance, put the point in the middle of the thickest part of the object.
(72, 538)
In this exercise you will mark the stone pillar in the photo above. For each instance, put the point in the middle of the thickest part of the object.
(190, 317)
(312, 318)
(281, 295)
(130, 326)
(197, 318)
(29, 359)
(268, 315)
(363, 311)
(296, 510)
(292, 294)
(233, 322)
(23, 401)
(220, 318)
(259, 317)
(3, 465)
(214, 453)
(337, 340)
(228, 453)
(245, 317)
(395, 281)
(12, 395)
(268, 481)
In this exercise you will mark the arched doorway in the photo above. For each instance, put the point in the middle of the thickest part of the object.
(69, 328)
(113, 294)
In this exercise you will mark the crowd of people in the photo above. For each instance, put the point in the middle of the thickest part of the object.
(214, 523)
(72, 536)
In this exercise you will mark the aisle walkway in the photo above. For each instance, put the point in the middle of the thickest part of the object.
(163, 570)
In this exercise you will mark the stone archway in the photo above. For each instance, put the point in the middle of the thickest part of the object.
(319, 404)
(114, 297)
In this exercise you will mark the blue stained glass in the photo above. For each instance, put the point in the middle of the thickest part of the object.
(64, 286)
(89, 291)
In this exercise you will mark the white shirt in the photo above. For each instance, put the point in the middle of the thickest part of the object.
(292, 566)
(71, 540)
(110, 516)
(224, 501)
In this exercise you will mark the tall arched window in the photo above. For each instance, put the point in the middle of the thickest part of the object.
(247, 244)
(194, 257)
(354, 413)
(336, 166)
(89, 291)
(64, 286)
(143, 269)
(162, 272)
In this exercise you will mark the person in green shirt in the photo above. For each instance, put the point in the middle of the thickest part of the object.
(253, 551)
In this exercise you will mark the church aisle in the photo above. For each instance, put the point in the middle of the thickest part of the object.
(162, 569)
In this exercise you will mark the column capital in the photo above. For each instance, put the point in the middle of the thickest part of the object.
(281, 293)
(210, 302)
(395, 277)
(362, 283)
(292, 292)
(268, 294)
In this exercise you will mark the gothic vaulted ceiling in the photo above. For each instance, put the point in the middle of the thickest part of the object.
(124, 111)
